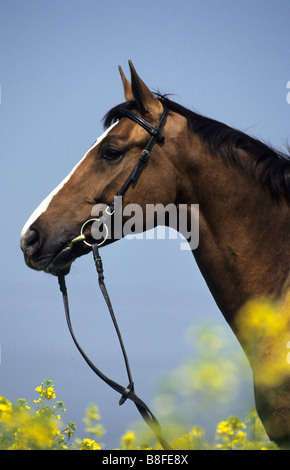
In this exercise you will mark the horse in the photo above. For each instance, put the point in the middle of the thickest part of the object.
(242, 189)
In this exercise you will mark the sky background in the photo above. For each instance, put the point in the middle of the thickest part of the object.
(226, 59)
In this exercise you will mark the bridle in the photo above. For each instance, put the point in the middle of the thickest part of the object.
(156, 137)
(129, 391)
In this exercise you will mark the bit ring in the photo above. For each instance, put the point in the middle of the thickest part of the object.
(83, 227)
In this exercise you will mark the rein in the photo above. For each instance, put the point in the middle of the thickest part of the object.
(129, 391)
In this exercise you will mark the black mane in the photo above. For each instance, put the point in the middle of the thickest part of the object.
(271, 166)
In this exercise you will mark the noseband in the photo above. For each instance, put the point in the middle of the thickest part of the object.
(126, 392)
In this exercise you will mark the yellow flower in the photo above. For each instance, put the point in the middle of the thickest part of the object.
(231, 434)
(5, 410)
(264, 330)
(127, 441)
(92, 412)
(92, 415)
(225, 428)
(197, 432)
(89, 444)
(49, 393)
(46, 390)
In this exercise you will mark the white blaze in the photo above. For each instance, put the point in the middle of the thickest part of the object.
(45, 203)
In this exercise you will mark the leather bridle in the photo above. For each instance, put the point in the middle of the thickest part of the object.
(156, 137)
(129, 391)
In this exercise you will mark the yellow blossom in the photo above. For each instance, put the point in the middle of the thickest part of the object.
(264, 331)
(46, 390)
(89, 444)
(127, 441)
(5, 410)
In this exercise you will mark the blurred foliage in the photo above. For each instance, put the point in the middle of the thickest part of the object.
(203, 387)
(22, 428)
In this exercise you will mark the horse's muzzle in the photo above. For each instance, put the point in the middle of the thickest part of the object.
(30, 245)
(54, 258)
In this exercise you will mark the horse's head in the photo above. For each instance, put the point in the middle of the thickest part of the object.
(97, 179)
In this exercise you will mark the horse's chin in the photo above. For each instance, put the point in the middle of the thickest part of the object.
(58, 270)
(62, 262)
(59, 263)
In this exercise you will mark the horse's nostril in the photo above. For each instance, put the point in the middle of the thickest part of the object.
(30, 242)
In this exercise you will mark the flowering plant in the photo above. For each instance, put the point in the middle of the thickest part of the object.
(25, 428)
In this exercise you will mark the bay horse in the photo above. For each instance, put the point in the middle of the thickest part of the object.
(242, 187)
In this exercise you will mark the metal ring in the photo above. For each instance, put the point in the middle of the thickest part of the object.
(106, 235)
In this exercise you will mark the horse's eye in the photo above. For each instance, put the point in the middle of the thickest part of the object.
(110, 154)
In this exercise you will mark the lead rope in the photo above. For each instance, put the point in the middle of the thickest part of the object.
(126, 392)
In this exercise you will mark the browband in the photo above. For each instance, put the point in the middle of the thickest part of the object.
(155, 132)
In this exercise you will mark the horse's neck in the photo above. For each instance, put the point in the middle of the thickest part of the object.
(243, 250)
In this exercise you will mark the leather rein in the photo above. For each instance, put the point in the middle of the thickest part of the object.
(129, 391)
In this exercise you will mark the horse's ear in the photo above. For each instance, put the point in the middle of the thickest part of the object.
(127, 86)
(146, 101)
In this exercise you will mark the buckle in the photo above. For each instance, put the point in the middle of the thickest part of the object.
(126, 393)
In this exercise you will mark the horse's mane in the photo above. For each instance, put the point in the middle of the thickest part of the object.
(270, 166)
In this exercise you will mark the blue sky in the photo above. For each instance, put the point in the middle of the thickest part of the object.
(58, 74)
